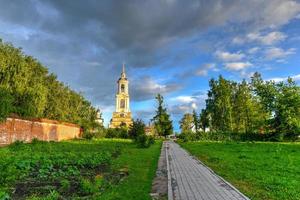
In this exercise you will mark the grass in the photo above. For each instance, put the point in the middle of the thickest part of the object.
(79, 169)
(260, 170)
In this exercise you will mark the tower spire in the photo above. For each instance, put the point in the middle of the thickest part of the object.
(123, 68)
(123, 74)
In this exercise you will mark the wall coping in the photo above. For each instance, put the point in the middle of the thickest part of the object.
(44, 120)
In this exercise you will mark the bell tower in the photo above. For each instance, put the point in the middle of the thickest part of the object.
(122, 114)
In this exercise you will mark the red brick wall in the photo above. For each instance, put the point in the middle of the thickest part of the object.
(25, 130)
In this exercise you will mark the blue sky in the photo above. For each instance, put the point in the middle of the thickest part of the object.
(170, 47)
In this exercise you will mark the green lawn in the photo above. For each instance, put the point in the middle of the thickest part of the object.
(79, 169)
(260, 170)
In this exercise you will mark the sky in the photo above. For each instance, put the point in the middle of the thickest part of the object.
(172, 47)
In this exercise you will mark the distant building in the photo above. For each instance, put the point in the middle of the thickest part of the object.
(122, 115)
(99, 118)
(150, 130)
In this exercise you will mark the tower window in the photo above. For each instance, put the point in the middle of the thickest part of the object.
(122, 88)
(122, 103)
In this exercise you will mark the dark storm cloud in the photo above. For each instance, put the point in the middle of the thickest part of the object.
(85, 42)
(146, 88)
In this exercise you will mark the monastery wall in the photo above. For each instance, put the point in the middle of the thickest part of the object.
(14, 129)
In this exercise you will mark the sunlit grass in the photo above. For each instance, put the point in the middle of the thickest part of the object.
(260, 170)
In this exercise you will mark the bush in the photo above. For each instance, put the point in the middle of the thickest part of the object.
(232, 136)
(188, 136)
(4, 195)
(87, 187)
(151, 140)
(117, 133)
(136, 129)
(88, 135)
(137, 133)
(144, 141)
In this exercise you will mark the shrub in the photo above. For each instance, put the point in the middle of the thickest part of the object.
(65, 184)
(151, 140)
(141, 141)
(117, 133)
(87, 187)
(88, 135)
(137, 133)
(4, 195)
(136, 129)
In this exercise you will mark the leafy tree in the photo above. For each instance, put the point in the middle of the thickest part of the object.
(137, 133)
(287, 110)
(187, 123)
(136, 129)
(28, 90)
(6, 103)
(204, 120)
(248, 113)
(162, 123)
(196, 121)
(219, 104)
(266, 92)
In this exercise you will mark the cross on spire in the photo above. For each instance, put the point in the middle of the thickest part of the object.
(123, 68)
(123, 75)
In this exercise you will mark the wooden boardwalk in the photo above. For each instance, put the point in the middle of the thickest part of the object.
(190, 179)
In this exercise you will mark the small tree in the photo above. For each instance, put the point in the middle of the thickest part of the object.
(196, 121)
(162, 123)
(137, 133)
(136, 129)
(204, 119)
(187, 123)
(287, 112)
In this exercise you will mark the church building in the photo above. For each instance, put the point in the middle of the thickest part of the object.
(122, 115)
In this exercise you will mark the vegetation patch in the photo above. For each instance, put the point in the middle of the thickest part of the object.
(68, 170)
(261, 170)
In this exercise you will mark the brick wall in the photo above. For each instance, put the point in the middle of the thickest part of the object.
(14, 129)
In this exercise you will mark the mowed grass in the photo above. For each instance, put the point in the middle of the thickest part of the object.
(260, 170)
(79, 169)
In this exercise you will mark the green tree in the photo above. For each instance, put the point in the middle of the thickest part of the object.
(137, 133)
(219, 104)
(136, 129)
(248, 113)
(6, 103)
(28, 90)
(287, 110)
(266, 93)
(162, 123)
(204, 120)
(196, 121)
(187, 123)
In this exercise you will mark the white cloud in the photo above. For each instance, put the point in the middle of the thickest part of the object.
(278, 53)
(228, 57)
(279, 12)
(279, 79)
(187, 103)
(203, 70)
(237, 66)
(238, 40)
(183, 99)
(268, 39)
(253, 50)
